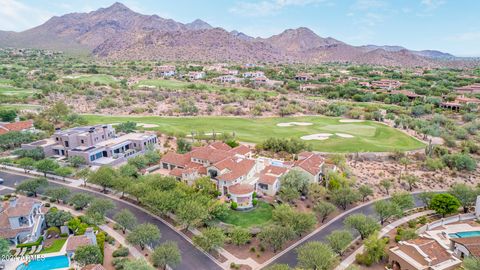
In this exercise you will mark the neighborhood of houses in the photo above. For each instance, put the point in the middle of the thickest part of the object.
(236, 173)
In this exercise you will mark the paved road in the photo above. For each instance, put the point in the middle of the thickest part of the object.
(290, 257)
(192, 258)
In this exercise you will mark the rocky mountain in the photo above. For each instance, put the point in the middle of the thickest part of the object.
(118, 32)
(424, 53)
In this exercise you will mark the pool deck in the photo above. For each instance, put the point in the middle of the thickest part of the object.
(13, 264)
(442, 233)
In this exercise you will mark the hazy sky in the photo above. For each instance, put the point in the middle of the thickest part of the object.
(448, 25)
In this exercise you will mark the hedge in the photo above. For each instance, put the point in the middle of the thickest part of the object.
(32, 244)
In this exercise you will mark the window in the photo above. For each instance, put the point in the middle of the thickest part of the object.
(263, 186)
(66, 144)
(82, 141)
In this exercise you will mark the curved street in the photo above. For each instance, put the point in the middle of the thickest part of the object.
(290, 256)
(192, 258)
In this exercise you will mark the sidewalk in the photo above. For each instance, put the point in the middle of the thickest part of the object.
(351, 259)
(230, 257)
(117, 236)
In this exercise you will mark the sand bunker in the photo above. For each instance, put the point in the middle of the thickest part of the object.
(291, 124)
(318, 137)
(343, 135)
(147, 125)
(351, 121)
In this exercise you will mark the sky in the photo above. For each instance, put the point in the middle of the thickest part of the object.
(451, 26)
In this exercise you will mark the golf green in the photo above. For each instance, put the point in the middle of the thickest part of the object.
(368, 136)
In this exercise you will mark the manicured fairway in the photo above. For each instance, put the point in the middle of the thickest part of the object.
(13, 91)
(20, 106)
(258, 216)
(195, 86)
(368, 136)
(95, 78)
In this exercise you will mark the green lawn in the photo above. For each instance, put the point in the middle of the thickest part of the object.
(260, 215)
(368, 136)
(95, 78)
(55, 247)
(182, 85)
(20, 106)
(13, 91)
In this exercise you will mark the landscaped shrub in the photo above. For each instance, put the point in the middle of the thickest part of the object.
(120, 252)
(101, 241)
(234, 205)
(53, 231)
(255, 201)
(32, 244)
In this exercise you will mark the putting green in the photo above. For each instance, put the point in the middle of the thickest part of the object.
(368, 136)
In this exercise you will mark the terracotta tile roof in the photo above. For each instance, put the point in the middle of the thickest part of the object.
(432, 249)
(177, 172)
(312, 164)
(16, 126)
(241, 150)
(470, 243)
(176, 159)
(240, 189)
(267, 179)
(93, 267)
(77, 241)
(220, 146)
(406, 93)
(237, 167)
(274, 170)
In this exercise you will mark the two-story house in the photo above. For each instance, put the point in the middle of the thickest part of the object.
(21, 220)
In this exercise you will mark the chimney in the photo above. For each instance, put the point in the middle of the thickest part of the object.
(13, 201)
(91, 236)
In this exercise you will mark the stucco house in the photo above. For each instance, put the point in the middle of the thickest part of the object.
(312, 164)
(76, 241)
(98, 144)
(21, 220)
(269, 179)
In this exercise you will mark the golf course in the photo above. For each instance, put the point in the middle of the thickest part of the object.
(325, 134)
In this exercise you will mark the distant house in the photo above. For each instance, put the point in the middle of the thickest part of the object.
(228, 79)
(254, 74)
(312, 164)
(408, 94)
(16, 126)
(165, 71)
(195, 75)
(469, 89)
(76, 241)
(310, 87)
(269, 179)
(303, 77)
(386, 84)
(21, 220)
(459, 102)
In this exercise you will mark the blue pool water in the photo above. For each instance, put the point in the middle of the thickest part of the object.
(46, 264)
(464, 234)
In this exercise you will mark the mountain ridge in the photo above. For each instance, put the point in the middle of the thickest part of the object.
(118, 32)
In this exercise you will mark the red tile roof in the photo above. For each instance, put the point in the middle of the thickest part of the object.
(16, 126)
(312, 164)
(176, 159)
(236, 167)
(241, 150)
(240, 189)
(77, 241)
(470, 243)
(267, 179)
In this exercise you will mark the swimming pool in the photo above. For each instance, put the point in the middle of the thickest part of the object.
(464, 234)
(48, 263)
